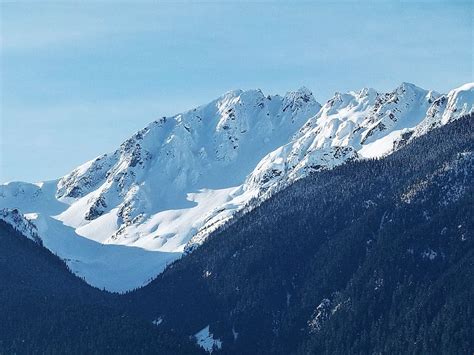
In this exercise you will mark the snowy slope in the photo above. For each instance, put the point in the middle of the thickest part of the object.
(178, 164)
(19, 222)
(347, 127)
(206, 340)
(446, 108)
(355, 125)
(120, 218)
(113, 267)
(155, 191)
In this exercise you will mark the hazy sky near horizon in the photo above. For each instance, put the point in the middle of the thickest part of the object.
(79, 78)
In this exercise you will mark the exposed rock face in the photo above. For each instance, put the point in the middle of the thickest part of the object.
(210, 147)
(18, 221)
(181, 177)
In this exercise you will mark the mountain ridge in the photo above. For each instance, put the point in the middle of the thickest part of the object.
(371, 256)
(175, 181)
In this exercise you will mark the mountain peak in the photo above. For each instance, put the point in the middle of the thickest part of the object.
(405, 86)
(304, 90)
(466, 89)
(179, 178)
(365, 92)
(233, 92)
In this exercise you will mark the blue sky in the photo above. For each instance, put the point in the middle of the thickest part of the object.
(79, 78)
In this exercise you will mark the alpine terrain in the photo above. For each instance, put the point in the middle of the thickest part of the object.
(118, 220)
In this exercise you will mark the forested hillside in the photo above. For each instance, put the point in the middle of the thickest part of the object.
(46, 309)
(373, 256)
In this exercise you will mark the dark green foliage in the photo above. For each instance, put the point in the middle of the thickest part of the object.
(46, 309)
(387, 242)
(372, 257)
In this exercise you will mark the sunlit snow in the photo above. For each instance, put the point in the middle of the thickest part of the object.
(120, 218)
(206, 340)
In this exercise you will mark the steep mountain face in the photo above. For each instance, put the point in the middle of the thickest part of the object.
(158, 188)
(374, 256)
(119, 219)
(177, 162)
(446, 108)
(357, 124)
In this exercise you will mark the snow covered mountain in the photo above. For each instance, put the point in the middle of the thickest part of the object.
(188, 162)
(355, 125)
(349, 126)
(119, 219)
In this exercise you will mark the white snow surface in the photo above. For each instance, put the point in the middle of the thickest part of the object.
(206, 340)
(158, 321)
(120, 218)
(20, 223)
